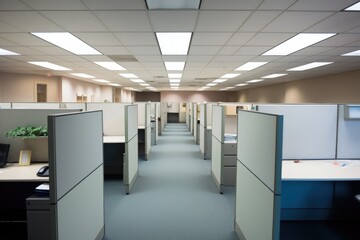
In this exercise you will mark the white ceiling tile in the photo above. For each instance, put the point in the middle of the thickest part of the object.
(150, 59)
(204, 50)
(81, 21)
(28, 21)
(177, 21)
(99, 38)
(169, 58)
(338, 23)
(221, 21)
(276, 4)
(228, 50)
(124, 21)
(113, 50)
(6, 43)
(144, 50)
(240, 38)
(134, 39)
(25, 39)
(231, 60)
(230, 4)
(295, 21)
(251, 51)
(6, 28)
(354, 44)
(269, 39)
(200, 60)
(321, 5)
(258, 20)
(70, 58)
(52, 50)
(55, 4)
(309, 51)
(9, 5)
(339, 40)
(213, 38)
(115, 4)
(25, 51)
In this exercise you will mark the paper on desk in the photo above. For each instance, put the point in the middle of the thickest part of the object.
(43, 187)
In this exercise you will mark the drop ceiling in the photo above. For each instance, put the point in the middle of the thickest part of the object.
(226, 34)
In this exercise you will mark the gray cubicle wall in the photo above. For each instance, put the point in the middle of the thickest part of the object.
(157, 123)
(309, 130)
(36, 105)
(144, 120)
(217, 142)
(258, 186)
(76, 176)
(131, 168)
(348, 139)
(5, 105)
(12, 118)
(202, 130)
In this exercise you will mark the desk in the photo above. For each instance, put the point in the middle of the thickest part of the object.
(320, 190)
(114, 149)
(16, 184)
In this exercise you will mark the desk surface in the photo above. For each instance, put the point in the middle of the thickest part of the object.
(12, 172)
(141, 127)
(321, 170)
(114, 139)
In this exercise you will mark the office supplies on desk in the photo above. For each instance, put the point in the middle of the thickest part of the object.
(42, 189)
(43, 171)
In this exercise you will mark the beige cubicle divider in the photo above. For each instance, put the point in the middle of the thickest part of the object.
(5, 105)
(131, 169)
(157, 122)
(144, 124)
(202, 129)
(13, 118)
(217, 141)
(76, 176)
(258, 184)
(163, 115)
(73, 105)
(310, 131)
(36, 105)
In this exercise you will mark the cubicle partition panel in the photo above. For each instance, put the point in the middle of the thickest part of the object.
(5, 105)
(73, 105)
(12, 118)
(217, 148)
(187, 115)
(76, 175)
(348, 141)
(157, 122)
(163, 116)
(131, 169)
(258, 184)
(36, 105)
(202, 128)
(147, 130)
(113, 115)
(309, 130)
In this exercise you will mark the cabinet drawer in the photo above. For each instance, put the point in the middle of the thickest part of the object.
(229, 160)
(230, 149)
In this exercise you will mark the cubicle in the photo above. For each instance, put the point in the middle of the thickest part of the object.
(5, 105)
(144, 128)
(205, 135)
(76, 176)
(163, 116)
(173, 112)
(196, 121)
(258, 175)
(321, 166)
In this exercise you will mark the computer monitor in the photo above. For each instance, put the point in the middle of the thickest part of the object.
(4, 152)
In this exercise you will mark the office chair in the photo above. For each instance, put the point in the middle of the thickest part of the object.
(4, 152)
(357, 197)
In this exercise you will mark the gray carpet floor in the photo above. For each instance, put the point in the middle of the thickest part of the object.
(174, 197)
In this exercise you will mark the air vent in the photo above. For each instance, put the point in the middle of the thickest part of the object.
(158, 77)
(204, 79)
(123, 58)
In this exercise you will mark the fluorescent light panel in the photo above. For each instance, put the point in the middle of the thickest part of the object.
(101, 80)
(250, 66)
(137, 80)
(83, 75)
(174, 80)
(230, 75)
(220, 80)
(114, 84)
(50, 66)
(174, 75)
(178, 4)
(4, 52)
(144, 84)
(241, 84)
(113, 66)
(297, 43)
(68, 42)
(254, 81)
(354, 7)
(354, 53)
(174, 43)
(275, 75)
(174, 66)
(128, 75)
(309, 66)
(211, 84)
(175, 84)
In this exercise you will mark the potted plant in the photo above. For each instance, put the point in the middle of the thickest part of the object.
(27, 132)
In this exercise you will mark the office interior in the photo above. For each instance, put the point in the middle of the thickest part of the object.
(224, 38)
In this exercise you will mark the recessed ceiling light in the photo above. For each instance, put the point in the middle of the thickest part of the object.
(241, 84)
(114, 84)
(110, 66)
(83, 75)
(227, 88)
(220, 80)
(68, 42)
(174, 80)
(309, 66)
(137, 80)
(300, 41)
(250, 66)
(255, 81)
(4, 52)
(132, 89)
(211, 84)
(178, 4)
(230, 75)
(354, 7)
(101, 80)
(354, 53)
(50, 66)
(174, 75)
(144, 84)
(275, 75)
(174, 43)
(128, 75)
(174, 84)
(174, 66)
